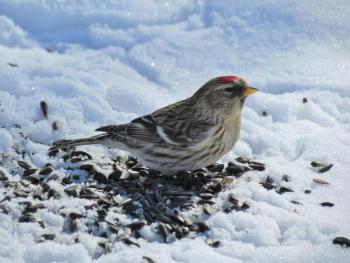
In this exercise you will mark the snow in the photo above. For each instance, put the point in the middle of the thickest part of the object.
(98, 63)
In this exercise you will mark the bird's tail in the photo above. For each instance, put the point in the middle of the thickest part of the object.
(97, 139)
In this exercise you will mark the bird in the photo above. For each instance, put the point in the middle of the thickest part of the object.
(184, 136)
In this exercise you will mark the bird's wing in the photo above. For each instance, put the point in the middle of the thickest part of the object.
(173, 124)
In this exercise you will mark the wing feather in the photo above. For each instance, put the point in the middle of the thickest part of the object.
(175, 124)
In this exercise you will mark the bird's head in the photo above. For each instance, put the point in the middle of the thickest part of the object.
(223, 95)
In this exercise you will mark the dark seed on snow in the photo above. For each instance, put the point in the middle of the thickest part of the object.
(49, 236)
(73, 216)
(72, 190)
(163, 231)
(283, 190)
(26, 218)
(200, 226)
(242, 159)
(343, 241)
(307, 191)
(325, 169)
(213, 243)
(137, 225)
(76, 160)
(115, 175)
(46, 171)
(286, 178)
(203, 201)
(295, 202)
(305, 100)
(329, 204)
(216, 168)
(232, 199)
(318, 164)
(81, 153)
(206, 196)
(100, 178)
(24, 165)
(320, 181)
(89, 168)
(55, 125)
(264, 113)
(72, 225)
(53, 152)
(235, 170)
(29, 172)
(257, 167)
(148, 259)
(44, 109)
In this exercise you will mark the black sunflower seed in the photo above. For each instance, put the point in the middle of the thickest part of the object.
(44, 109)
(48, 236)
(24, 165)
(100, 178)
(283, 190)
(148, 259)
(325, 168)
(137, 225)
(329, 204)
(55, 125)
(343, 241)
(46, 170)
(213, 243)
(73, 216)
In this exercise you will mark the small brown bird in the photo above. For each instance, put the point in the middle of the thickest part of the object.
(187, 135)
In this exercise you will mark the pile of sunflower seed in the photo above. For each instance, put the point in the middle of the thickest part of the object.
(124, 186)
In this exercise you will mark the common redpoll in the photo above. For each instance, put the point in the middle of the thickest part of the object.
(187, 135)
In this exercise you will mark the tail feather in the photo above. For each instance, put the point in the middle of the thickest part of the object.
(76, 142)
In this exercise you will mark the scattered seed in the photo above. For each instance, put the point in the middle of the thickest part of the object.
(213, 243)
(100, 178)
(55, 125)
(320, 181)
(44, 109)
(49, 236)
(24, 165)
(329, 204)
(295, 202)
(325, 168)
(305, 100)
(148, 259)
(283, 190)
(12, 64)
(46, 170)
(343, 241)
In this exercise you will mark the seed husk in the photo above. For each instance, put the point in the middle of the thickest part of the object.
(320, 181)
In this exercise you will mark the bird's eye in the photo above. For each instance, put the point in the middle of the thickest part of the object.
(229, 90)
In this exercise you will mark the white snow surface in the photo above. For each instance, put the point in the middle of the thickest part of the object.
(107, 62)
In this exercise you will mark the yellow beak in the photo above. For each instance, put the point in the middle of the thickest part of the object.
(249, 91)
